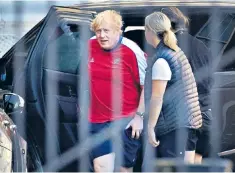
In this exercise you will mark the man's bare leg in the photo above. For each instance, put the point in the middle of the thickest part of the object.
(104, 163)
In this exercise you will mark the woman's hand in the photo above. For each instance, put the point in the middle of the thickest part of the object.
(152, 137)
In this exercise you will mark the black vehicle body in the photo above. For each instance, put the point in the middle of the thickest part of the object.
(50, 88)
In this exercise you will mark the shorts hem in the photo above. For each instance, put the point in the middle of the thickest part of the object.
(94, 156)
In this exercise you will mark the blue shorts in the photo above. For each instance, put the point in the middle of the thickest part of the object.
(127, 145)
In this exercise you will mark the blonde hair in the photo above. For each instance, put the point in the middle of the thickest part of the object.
(159, 23)
(110, 16)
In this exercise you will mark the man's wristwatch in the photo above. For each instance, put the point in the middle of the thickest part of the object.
(141, 114)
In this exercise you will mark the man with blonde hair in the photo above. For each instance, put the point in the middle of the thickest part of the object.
(117, 71)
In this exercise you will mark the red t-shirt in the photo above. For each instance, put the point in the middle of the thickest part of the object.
(116, 78)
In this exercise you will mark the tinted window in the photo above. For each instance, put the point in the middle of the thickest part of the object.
(215, 30)
(63, 53)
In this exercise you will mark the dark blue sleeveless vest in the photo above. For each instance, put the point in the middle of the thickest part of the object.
(180, 100)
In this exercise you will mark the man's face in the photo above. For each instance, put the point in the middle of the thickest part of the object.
(107, 35)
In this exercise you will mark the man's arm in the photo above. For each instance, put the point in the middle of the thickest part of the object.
(141, 107)
(138, 64)
(137, 122)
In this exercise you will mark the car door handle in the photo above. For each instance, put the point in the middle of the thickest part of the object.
(72, 93)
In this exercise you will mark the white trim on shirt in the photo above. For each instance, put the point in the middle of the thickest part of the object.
(140, 56)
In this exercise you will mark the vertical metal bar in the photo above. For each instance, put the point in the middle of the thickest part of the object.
(149, 152)
(180, 135)
(19, 60)
(18, 63)
(83, 100)
(51, 100)
(215, 131)
(117, 101)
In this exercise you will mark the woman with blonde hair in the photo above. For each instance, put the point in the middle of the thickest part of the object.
(171, 97)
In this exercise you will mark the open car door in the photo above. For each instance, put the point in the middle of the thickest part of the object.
(52, 75)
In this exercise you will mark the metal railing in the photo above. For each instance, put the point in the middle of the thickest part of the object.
(56, 158)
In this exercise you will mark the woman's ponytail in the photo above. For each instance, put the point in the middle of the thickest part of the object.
(170, 40)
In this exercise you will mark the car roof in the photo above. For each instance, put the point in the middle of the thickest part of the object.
(143, 3)
(128, 7)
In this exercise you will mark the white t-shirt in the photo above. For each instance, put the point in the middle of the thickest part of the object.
(161, 70)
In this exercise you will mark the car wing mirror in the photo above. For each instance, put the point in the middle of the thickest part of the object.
(13, 103)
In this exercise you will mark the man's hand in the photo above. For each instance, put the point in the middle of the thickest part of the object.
(196, 122)
(137, 126)
(152, 137)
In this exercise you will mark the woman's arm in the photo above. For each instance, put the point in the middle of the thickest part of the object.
(158, 90)
(161, 74)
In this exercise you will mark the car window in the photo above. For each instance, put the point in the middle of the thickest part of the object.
(66, 53)
(215, 31)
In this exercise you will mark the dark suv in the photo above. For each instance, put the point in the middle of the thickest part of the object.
(46, 67)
